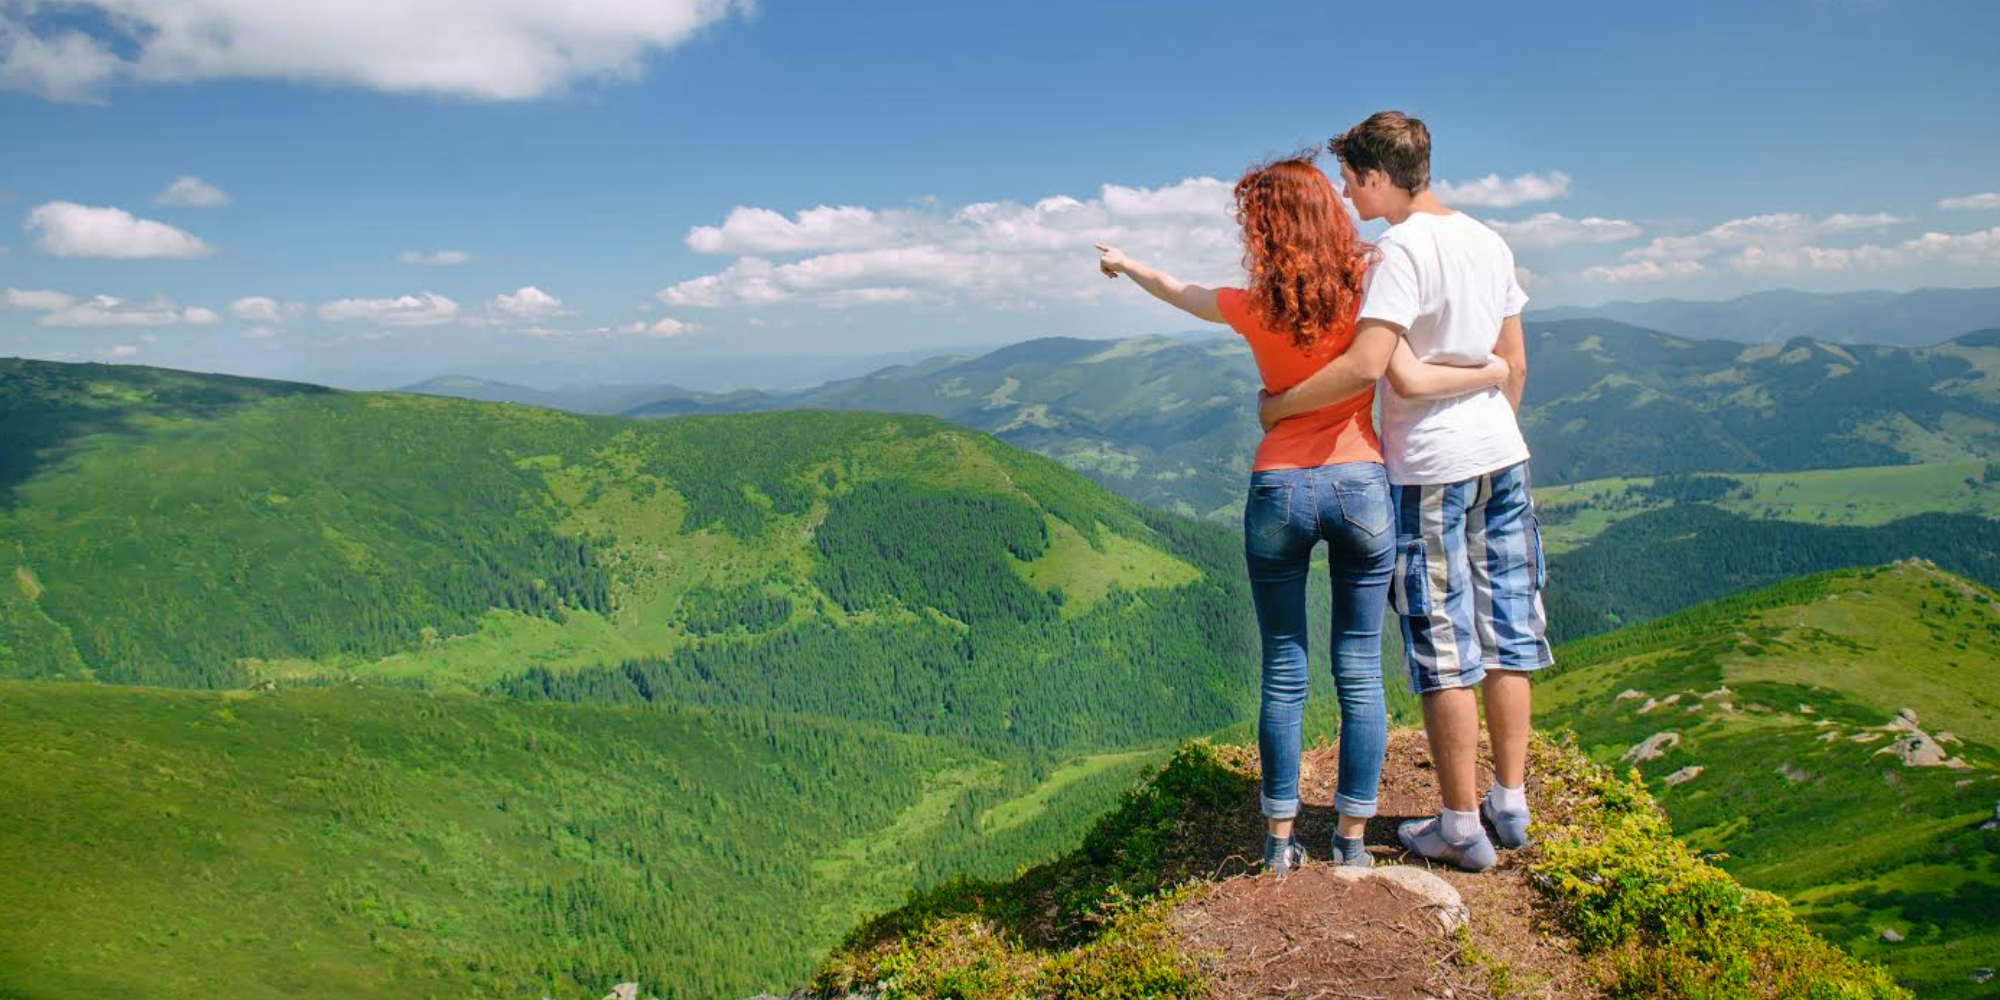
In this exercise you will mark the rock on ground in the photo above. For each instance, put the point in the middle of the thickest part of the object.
(1654, 746)
(1684, 775)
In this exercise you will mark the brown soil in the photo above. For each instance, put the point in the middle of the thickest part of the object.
(1309, 936)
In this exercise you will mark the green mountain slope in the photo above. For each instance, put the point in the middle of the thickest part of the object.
(1660, 562)
(380, 843)
(895, 570)
(1791, 752)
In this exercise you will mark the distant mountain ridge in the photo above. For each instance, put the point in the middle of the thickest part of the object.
(1917, 318)
(1170, 422)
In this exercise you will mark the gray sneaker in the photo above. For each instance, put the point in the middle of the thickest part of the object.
(1509, 828)
(1423, 838)
(1352, 852)
(1282, 857)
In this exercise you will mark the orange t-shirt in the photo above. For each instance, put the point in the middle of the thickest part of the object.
(1342, 432)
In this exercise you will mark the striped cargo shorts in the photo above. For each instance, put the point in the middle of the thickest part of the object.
(1469, 578)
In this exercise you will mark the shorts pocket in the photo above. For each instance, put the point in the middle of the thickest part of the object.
(1541, 557)
(1268, 510)
(1409, 590)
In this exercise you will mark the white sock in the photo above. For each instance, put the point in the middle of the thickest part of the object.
(1507, 800)
(1458, 827)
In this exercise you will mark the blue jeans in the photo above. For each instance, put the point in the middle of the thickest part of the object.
(1288, 513)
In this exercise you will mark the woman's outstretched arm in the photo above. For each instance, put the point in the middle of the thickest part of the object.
(1413, 379)
(1193, 299)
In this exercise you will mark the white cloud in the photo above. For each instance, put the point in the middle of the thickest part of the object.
(60, 309)
(428, 309)
(121, 351)
(40, 301)
(259, 333)
(1980, 248)
(441, 258)
(262, 309)
(1971, 202)
(760, 230)
(1524, 277)
(528, 305)
(192, 192)
(1003, 252)
(485, 49)
(1551, 229)
(66, 229)
(60, 66)
(1780, 229)
(1644, 270)
(1493, 191)
(663, 328)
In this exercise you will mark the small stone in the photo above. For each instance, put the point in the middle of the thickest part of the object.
(1805, 709)
(1908, 715)
(1794, 773)
(1448, 907)
(1890, 935)
(1982, 975)
(1629, 694)
(624, 991)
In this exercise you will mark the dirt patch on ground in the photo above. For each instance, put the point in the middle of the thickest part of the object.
(1312, 936)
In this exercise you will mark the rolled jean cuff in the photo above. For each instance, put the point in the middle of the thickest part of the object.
(1278, 808)
(1354, 808)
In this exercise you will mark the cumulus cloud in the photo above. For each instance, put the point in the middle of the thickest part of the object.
(1778, 229)
(262, 309)
(1972, 202)
(121, 351)
(1644, 270)
(528, 305)
(66, 229)
(192, 192)
(997, 251)
(1494, 191)
(484, 49)
(440, 258)
(760, 230)
(259, 333)
(1551, 229)
(1981, 248)
(60, 309)
(427, 309)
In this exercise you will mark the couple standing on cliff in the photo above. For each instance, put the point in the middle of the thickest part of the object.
(1432, 518)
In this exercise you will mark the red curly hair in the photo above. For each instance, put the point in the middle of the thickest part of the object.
(1306, 262)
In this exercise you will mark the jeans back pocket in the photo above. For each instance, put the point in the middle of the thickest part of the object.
(1268, 510)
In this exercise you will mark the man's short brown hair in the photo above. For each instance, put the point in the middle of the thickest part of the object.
(1389, 141)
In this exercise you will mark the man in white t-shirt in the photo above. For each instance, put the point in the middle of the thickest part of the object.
(1469, 563)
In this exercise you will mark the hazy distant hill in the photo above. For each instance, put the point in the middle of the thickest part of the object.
(1910, 319)
(1169, 421)
(1837, 739)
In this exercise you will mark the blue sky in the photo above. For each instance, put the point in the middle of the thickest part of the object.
(625, 180)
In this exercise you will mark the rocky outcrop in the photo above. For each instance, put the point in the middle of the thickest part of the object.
(1654, 747)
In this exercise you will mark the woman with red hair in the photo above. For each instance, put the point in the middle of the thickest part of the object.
(1315, 477)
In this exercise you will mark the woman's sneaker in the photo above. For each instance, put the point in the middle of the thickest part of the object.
(1425, 839)
(1283, 856)
(1352, 852)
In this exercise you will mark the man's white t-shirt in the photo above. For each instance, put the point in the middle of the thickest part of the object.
(1448, 281)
